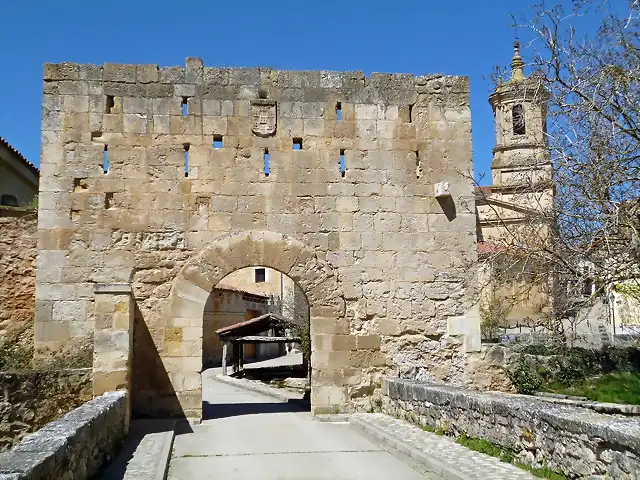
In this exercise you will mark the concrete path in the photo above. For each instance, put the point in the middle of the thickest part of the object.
(251, 436)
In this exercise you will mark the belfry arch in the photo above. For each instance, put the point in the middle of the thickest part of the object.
(193, 285)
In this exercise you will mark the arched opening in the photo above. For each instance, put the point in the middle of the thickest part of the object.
(247, 294)
(517, 117)
(182, 346)
(256, 329)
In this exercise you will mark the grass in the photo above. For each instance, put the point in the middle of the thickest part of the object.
(616, 387)
(505, 455)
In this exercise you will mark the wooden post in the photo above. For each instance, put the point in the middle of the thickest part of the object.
(235, 357)
(224, 358)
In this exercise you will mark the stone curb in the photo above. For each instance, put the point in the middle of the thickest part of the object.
(407, 452)
(165, 456)
(263, 389)
(330, 418)
(147, 453)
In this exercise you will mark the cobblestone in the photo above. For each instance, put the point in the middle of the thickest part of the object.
(437, 453)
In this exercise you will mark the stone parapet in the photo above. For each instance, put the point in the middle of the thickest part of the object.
(197, 80)
(75, 446)
(30, 399)
(575, 441)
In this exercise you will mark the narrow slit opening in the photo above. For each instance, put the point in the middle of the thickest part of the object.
(411, 113)
(339, 111)
(418, 164)
(186, 159)
(267, 162)
(297, 144)
(108, 200)
(185, 106)
(343, 166)
(217, 141)
(109, 104)
(105, 160)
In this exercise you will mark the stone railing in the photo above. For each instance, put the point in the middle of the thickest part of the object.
(29, 399)
(575, 441)
(75, 446)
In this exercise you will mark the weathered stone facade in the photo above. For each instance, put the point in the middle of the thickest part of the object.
(327, 177)
(31, 399)
(576, 441)
(17, 270)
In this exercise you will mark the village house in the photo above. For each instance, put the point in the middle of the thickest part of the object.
(18, 177)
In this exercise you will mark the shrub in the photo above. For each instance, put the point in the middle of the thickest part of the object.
(525, 377)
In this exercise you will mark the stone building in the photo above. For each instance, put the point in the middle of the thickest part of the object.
(18, 177)
(521, 186)
(286, 298)
(156, 183)
(228, 305)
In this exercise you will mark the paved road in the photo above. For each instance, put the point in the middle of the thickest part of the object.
(251, 436)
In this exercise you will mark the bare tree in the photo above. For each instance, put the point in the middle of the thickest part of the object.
(590, 234)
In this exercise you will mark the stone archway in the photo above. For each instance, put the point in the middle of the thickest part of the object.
(192, 286)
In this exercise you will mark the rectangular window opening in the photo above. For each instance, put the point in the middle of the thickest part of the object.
(267, 162)
(297, 144)
(343, 166)
(109, 104)
(185, 106)
(108, 200)
(186, 159)
(217, 141)
(80, 184)
(105, 160)
(411, 113)
(339, 111)
(260, 275)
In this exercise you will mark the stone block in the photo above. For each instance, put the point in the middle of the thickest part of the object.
(115, 72)
(134, 123)
(147, 73)
(368, 342)
(61, 71)
(172, 75)
(90, 72)
(110, 381)
(184, 90)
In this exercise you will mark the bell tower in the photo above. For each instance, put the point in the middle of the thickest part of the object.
(520, 156)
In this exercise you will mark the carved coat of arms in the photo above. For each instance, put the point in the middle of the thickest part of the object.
(263, 117)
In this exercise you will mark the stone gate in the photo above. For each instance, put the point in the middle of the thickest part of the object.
(158, 182)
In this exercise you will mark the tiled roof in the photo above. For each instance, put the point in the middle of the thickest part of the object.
(27, 163)
(482, 192)
(257, 324)
(487, 248)
(231, 288)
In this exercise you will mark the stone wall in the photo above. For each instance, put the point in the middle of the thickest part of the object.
(18, 236)
(32, 399)
(75, 446)
(172, 178)
(576, 441)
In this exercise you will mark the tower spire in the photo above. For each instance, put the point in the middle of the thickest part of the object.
(517, 72)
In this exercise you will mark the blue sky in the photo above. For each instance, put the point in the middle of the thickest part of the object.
(461, 37)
